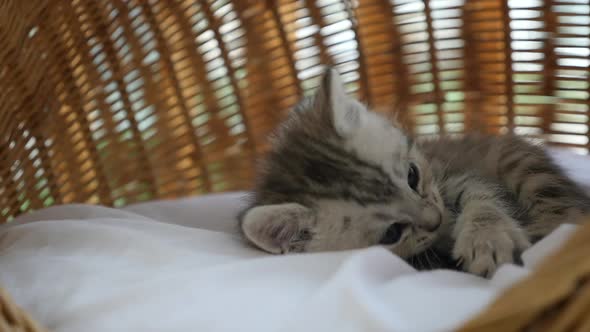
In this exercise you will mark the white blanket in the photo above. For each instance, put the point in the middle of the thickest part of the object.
(180, 266)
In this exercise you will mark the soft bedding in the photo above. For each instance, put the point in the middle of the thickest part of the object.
(180, 266)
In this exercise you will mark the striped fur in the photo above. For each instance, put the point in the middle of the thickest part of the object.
(339, 177)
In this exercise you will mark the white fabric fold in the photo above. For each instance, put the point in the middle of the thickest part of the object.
(181, 266)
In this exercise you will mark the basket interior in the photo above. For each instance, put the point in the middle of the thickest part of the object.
(114, 102)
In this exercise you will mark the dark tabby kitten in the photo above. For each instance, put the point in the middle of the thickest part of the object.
(339, 176)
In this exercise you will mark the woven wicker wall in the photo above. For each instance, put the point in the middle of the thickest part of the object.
(115, 102)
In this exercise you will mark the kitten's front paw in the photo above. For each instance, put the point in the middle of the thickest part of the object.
(482, 250)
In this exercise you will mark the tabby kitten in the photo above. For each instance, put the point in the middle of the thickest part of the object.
(339, 176)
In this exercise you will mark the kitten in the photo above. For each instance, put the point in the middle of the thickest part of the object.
(339, 177)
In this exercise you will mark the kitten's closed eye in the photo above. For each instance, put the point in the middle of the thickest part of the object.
(413, 177)
(393, 233)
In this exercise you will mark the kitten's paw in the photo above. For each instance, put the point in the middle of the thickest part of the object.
(482, 250)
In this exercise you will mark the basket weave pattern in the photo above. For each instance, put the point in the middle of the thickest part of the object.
(115, 102)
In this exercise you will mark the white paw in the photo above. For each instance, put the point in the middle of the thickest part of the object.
(482, 250)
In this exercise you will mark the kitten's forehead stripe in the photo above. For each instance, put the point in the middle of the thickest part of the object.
(309, 168)
(410, 143)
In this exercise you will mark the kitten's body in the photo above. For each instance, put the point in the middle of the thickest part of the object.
(537, 191)
(341, 177)
(520, 179)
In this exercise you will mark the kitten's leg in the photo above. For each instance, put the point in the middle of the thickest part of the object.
(485, 233)
(547, 195)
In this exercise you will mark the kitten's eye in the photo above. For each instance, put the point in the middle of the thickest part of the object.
(413, 177)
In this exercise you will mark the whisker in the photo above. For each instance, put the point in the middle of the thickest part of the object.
(425, 262)
(420, 258)
(427, 255)
(435, 257)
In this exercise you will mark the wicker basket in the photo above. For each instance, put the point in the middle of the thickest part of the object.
(113, 102)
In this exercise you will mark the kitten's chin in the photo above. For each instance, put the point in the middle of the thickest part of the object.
(420, 245)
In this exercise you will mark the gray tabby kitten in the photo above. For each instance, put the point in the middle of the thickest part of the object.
(339, 176)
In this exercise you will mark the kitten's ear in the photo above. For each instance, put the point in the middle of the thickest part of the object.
(277, 228)
(344, 112)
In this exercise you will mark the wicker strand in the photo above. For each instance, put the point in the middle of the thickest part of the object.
(13, 318)
(318, 20)
(550, 64)
(274, 8)
(508, 81)
(473, 98)
(364, 91)
(588, 87)
(438, 98)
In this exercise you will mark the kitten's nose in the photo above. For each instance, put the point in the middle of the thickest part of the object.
(430, 219)
(393, 233)
(432, 224)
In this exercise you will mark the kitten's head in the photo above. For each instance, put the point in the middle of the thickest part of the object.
(339, 176)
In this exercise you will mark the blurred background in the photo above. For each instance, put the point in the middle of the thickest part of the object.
(115, 102)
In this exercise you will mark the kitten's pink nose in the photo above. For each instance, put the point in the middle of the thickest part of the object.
(431, 219)
(431, 227)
